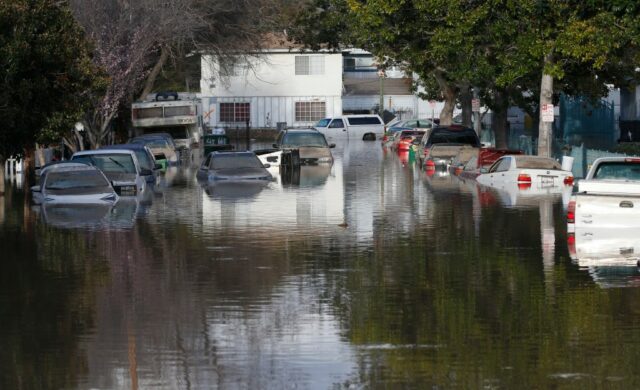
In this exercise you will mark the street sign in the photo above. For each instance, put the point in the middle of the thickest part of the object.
(475, 105)
(547, 113)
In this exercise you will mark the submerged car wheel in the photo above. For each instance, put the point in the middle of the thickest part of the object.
(369, 137)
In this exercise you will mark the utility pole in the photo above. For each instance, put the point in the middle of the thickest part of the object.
(381, 109)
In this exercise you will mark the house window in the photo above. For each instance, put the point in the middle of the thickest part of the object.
(310, 111)
(235, 112)
(309, 65)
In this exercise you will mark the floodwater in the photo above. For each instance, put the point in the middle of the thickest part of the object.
(366, 274)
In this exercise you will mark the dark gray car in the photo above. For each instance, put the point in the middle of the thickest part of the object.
(238, 166)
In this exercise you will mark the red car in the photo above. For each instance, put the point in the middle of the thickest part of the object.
(405, 139)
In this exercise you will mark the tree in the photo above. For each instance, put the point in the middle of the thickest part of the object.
(585, 43)
(512, 50)
(46, 72)
(134, 40)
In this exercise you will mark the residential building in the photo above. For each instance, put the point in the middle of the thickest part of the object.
(279, 85)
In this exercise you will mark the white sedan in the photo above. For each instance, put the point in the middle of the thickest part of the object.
(530, 173)
(73, 183)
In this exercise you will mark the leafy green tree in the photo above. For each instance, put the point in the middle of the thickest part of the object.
(45, 72)
(564, 36)
(511, 50)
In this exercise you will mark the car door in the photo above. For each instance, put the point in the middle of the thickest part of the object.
(336, 130)
(500, 176)
(496, 175)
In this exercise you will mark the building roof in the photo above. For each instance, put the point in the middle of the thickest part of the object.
(371, 86)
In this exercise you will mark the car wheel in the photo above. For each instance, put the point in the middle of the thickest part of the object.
(369, 137)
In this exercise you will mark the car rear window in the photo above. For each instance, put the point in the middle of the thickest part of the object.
(292, 139)
(367, 120)
(618, 170)
(537, 163)
(460, 137)
(158, 143)
(406, 134)
(229, 161)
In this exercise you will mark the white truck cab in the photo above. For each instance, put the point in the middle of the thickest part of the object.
(365, 127)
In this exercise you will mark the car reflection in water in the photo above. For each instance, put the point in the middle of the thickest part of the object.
(90, 216)
(304, 176)
(610, 255)
(233, 189)
(524, 195)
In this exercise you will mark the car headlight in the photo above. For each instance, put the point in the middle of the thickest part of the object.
(324, 159)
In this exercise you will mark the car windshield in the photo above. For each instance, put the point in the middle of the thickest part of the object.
(73, 180)
(112, 163)
(537, 163)
(144, 159)
(229, 161)
(454, 137)
(323, 122)
(154, 143)
(618, 170)
(304, 139)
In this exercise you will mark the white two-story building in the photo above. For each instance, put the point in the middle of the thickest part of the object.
(278, 85)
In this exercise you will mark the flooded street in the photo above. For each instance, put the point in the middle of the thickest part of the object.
(365, 274)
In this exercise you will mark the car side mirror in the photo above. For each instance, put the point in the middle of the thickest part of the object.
(157, 166)
(145, 172)
(266, 165)
(332, 146)
(35, 189)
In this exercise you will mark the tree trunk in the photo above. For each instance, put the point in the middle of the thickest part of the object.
(153, 75)
(449, 95)
(1, 180)
(40, 155)
(465, 100)
(499, 120)
(545, 132)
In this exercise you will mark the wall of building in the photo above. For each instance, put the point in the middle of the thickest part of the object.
(272, 88)
(267, 111)
(273, 74)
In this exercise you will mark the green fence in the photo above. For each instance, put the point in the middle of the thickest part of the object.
(583, 122)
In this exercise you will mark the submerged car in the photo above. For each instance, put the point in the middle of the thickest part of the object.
(236, 166)
(72, 182)
(527, 172)
(450, 139)
(405, 138)
(145, 158)
(120, 166)
(311, 144)
(162, 147)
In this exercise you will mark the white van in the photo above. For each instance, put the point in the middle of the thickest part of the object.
(364, 127)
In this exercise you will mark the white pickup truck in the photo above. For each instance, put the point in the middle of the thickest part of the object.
(603, 217)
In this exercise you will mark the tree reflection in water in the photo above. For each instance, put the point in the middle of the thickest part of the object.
(430, 283)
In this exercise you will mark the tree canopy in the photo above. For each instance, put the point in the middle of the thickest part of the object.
(503, 47)
(46, 72)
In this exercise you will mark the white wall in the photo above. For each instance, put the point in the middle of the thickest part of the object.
(267, 111)
(272, 88)
(273, 74)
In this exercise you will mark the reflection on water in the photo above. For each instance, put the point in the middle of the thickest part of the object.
(366, 273)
